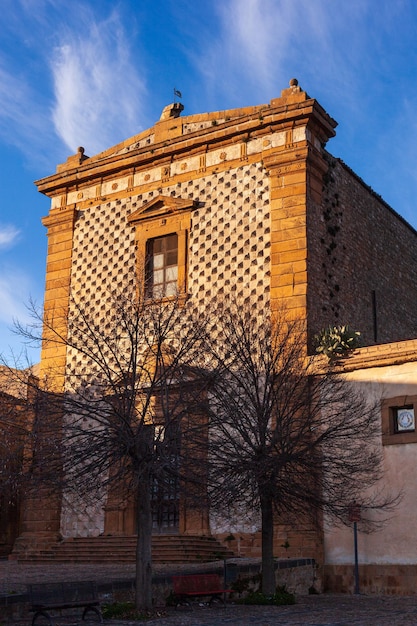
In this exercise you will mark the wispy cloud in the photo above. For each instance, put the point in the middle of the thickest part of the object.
(99, 91)
(23, 120)
(92, 87)
(14, 283)
(259, 34)
(248, 52)
(261, 44)
(345, 54)
(14, 286)
(8, 236)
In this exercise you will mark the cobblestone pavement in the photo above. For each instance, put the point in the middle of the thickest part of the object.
(316, 610)
(322, 610)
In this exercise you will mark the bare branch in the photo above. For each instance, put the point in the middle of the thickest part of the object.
(294, 443)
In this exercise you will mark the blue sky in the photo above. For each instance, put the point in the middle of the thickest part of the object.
(92, 73)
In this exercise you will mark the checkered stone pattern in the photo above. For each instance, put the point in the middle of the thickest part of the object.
(229, 255)
(82, 518)
(103, 264)
(230, 239)
(229, 245)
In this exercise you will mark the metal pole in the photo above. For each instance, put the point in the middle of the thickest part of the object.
(355, 540)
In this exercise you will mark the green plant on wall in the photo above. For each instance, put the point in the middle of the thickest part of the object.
(285, 545)
(337, 341)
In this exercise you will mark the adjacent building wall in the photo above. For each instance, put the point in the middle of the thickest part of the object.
(388, 557)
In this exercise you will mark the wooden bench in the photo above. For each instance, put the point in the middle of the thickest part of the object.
(194, 585)
(46, 597)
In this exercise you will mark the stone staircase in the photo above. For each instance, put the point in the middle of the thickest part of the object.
(112, 549)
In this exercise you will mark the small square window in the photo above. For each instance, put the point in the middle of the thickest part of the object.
(398, 420)
(404, 419)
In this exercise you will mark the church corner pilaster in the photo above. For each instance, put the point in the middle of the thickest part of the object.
(60, 224)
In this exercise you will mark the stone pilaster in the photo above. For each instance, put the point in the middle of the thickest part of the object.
(41, 508)
(288, 176)
(60, 225)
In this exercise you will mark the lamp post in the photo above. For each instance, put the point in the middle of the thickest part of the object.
(355, 517)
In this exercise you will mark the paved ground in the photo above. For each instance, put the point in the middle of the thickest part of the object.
(309, 611)
(318, 610)
(324, 610)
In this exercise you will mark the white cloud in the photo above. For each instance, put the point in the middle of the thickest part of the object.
(14, 287)
(260, 44)
(253, 48)
(258, 34)
(23, 120)
(13, 93)
(8, 236)
(99, 92)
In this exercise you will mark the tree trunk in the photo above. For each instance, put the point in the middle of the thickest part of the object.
(268, 569)
(143, 594)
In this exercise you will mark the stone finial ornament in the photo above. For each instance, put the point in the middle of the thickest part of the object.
(172, 110)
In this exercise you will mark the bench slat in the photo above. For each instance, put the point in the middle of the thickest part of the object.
(198, 585)
(46, 597)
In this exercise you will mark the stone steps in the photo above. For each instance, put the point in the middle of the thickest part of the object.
(165, 549)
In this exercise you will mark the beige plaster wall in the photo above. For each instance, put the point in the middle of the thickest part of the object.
(396, 542)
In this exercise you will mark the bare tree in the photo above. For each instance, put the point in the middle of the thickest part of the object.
(285, 438)
(128, 392)
(13, 439)
(258, 425)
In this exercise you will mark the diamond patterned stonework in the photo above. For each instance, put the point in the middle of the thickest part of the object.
(228, 254)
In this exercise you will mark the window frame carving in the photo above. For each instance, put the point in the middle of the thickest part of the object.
(159, 217)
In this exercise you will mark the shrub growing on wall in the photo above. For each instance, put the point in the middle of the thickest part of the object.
(336, 341)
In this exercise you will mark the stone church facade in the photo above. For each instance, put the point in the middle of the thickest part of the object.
(245, 202)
